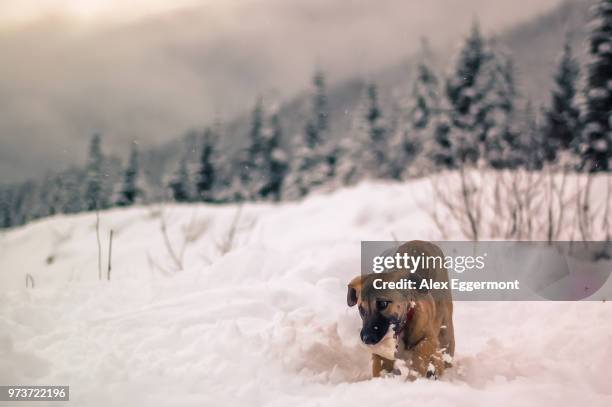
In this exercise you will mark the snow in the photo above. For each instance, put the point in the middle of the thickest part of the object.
(265, 324)
(598, 93)
(600, 145)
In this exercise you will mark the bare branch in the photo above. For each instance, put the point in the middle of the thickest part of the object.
(99, 244)
(178, 261)
(226, 244)
(110, 252)
(29, 280)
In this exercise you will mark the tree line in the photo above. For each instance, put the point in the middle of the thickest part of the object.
(472, 117)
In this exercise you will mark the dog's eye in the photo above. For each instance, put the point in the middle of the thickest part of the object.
(381, 305)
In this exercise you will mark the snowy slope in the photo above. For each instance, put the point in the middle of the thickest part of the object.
(265, 324)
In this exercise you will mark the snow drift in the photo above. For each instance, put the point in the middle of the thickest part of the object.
(246, 307)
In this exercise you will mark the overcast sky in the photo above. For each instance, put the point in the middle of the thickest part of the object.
(150, 69)
(21, 11)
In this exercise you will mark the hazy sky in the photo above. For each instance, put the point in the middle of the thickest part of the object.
(20, 11)
(151, 69)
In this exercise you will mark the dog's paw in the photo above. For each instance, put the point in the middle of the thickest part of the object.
(431, 372)
(386, 373)
(448, 360)
(413, 375)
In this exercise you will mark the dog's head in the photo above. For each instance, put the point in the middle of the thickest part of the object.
(381, 308)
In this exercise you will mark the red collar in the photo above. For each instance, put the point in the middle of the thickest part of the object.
(409, 316)
(410, 313)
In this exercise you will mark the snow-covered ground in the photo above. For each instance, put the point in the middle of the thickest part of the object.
(265, 324)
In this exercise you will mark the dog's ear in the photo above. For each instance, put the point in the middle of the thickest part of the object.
(353, 291)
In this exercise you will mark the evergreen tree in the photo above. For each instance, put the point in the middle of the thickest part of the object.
(252, 171)
(349, 170)
(442, 154)
(206, 173)
(56, 185)
(95, 197)
(314, 160)
(266, 165)
(45, 199)
(401, 143)
(597, 130)
(562, 118)
(72, 199)
(130, 190)
(416, 137)
(532, 139)
(461, 134)
(365, 152)
(22, 203)
(501, 137)
(275, 159)
(379, 155)
(318, 124)
(179, 185)
(6, 218)
(425, 94)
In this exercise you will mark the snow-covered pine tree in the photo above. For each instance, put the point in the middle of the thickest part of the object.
(314, 159)
(45, 202)
(11, 201)
(461, 132)
(348, 168)
(6, 218)
(252, 172)
(206, 172)
(532, 138)
(265, 166)
(228, 185)
(130, 189)
(22, 202)
(499, 121)
(562, 118)
(180, 184)
(416, 137)
(73, 181)
(425, 94)
(442, 152)
(377, 158)
(597, 121)
(56, 186)
(95, 195)
(318, 124)
(366, 152)
(275, 160)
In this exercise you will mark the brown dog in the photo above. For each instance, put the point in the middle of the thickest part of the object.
(421, 320)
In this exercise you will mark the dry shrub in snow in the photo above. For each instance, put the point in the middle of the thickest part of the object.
(518, 204)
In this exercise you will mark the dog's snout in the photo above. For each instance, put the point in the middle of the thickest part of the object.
(371, 337)
(367, 338)
(374, 329)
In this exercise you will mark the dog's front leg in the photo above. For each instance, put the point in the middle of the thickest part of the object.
(423, 359)
(376, 365)
(387, 365)
(426, 358)
(379, 364)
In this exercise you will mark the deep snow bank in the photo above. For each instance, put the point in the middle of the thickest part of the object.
(265, 323)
